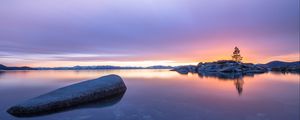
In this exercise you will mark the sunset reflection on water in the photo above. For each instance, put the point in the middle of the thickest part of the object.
(164, 94)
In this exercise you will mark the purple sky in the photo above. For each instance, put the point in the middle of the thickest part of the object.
(146, 32)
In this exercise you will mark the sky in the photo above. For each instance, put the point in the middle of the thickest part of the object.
(53, 33)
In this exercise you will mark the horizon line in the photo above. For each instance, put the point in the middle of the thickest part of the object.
(139, 66)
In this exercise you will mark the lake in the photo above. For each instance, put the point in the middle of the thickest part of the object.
(163, 95)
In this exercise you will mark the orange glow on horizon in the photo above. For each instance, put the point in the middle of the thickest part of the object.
(176, 60)
(218, 48)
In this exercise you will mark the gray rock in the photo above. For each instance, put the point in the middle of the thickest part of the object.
(76, 94)
(255, 71)
(230, 69)
(185, 69)
(223, 66)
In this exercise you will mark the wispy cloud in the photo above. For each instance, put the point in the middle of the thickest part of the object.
(141, 30)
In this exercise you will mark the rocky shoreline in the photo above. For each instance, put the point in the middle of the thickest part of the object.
(227, 67)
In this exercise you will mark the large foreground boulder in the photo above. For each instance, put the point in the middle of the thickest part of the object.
(73, 95)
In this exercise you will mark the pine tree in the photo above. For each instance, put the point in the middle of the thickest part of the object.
(236, 55)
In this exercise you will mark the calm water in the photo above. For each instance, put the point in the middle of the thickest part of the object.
(164, 95)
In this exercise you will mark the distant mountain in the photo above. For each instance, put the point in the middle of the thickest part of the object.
(3, 67)
(282, 66)
(159, 67)
(277, 64)
(86, 68)
(106, 67)
(273, 65)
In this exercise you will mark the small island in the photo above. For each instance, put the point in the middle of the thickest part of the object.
(237, 67)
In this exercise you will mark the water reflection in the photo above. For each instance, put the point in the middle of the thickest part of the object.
(224, 76)
(237, 78)
(109, 101)
(239, 85)
(1, 72)
(286, 72)
(152, 95)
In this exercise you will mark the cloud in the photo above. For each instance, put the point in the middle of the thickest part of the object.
(146, 29)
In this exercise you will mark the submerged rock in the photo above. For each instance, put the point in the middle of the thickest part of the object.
(73, 95)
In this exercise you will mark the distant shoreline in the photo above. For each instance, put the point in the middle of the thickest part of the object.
(275, 65)
(5, 68)
(90, 69)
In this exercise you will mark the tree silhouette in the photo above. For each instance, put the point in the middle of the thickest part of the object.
(236, 55)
